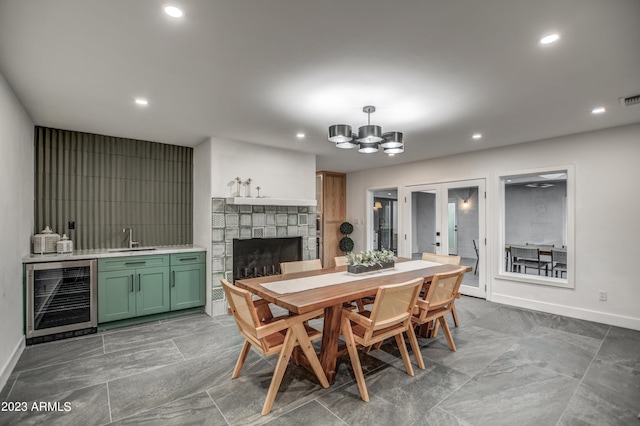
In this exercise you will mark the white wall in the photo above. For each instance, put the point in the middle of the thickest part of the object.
(217, 162)
(607, 212)
(280, 173)
(16, 216)
(202, 207)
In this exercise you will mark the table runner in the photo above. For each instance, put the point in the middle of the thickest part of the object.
(317, 281)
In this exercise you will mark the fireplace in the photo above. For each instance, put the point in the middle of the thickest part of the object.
(257, 257)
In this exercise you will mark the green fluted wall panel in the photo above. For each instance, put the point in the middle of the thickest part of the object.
(105, 183)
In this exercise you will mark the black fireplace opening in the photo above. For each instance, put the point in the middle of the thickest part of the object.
(258, 257)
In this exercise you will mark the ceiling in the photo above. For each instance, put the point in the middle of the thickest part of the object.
(262, 71)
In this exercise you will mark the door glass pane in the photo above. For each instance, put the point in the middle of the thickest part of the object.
(385, 220)
(423, 226)
(452, 228)
(464, 229)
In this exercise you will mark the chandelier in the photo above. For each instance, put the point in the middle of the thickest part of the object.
(369, 138)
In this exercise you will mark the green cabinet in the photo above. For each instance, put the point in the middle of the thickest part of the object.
(132, 286)
(187, 280)
(135, 286)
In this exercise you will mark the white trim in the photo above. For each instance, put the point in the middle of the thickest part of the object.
(568, 311)
(7, 369)
(263, 201)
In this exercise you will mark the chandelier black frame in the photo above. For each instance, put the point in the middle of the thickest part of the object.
(369, 138)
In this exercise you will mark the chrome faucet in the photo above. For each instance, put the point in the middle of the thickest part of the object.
(132, 243)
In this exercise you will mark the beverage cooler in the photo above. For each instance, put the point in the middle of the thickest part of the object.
(60, 300)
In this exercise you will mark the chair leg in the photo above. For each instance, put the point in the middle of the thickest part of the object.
(447, 333)
(241, 359)
(454, 313)
(405, 354)
(281, 367)
(434, 329)
(415, 347)
(307, 347)
(347, 332)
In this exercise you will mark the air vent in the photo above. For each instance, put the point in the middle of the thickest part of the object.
(631, 100)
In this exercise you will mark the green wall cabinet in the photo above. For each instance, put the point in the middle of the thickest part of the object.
(135, 286)
(132, 286)
(188, 280)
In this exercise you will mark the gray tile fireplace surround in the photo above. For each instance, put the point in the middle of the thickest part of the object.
(230, 221)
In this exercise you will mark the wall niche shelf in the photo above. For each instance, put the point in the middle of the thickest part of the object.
(263, 201)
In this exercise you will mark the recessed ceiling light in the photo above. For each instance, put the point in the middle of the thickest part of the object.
(477, 136)
(598, 110)
(300, 135)
(551, 38)
(173, 11)
(141, 101)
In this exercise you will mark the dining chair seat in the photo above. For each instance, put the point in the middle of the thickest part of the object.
(271, 336)
(390, 316)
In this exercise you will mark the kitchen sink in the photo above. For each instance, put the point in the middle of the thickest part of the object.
(126, 249)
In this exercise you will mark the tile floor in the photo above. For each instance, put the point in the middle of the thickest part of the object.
(512, 367)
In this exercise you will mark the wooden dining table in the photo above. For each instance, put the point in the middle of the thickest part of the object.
(331, 298)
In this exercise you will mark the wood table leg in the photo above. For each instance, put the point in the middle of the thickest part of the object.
(330, 338)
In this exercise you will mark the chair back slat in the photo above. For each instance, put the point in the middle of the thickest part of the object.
(441, 258)
(525, 253)
(444, 288)
(242, 307)
(394, 303)
(559, 255)
(300, 266)
(341, 260)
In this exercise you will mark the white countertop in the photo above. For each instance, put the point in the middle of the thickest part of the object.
(102, 253)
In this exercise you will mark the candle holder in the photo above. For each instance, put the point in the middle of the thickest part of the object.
(247, 188)
(258, 189)
(238, 182)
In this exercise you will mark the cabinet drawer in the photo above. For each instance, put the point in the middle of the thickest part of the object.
(133, 262)
(187, 258)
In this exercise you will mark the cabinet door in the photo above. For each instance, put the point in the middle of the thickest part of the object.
(152, 290)
(116, 296)
(187, 286)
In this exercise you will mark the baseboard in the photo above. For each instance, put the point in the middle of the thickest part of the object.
(568, 311)
(7, 369)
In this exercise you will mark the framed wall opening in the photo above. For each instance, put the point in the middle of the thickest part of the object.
(537, 226)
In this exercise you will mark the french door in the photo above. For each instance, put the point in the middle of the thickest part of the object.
(449, 218)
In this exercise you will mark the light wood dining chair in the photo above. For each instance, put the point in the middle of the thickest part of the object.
(272, 336)
(447, 260)
(390, 316)
(438, 301)
(300, 266)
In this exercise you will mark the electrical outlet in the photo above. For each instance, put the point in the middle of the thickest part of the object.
(603, 296)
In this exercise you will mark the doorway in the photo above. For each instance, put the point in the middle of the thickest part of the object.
(449, 218)
(382, 219)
